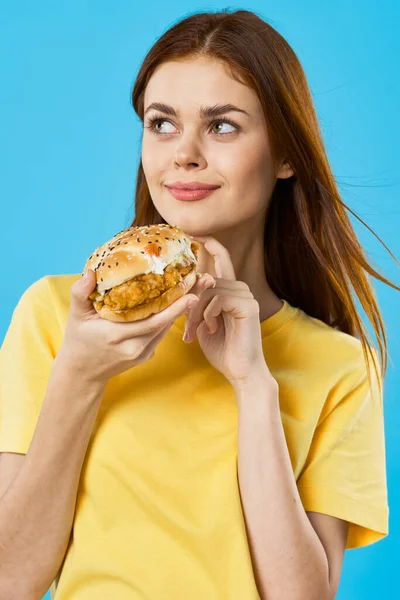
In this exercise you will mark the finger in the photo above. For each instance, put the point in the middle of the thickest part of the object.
(80, 291)
(153, 324)
(149, 348)
(197, 312)
(205, 281)
(231, 285)
(222, 260)
(235, 306)
(158, 337)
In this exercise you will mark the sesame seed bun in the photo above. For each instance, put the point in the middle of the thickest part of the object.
(141, 271)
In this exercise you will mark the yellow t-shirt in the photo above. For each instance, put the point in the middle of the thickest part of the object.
(158, 511)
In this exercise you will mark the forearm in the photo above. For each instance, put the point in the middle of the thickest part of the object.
(37, 509)
(288, 557)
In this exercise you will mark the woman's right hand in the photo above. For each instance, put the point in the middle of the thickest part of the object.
(96, 349)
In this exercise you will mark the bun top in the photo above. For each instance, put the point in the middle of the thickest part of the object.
(139, 250)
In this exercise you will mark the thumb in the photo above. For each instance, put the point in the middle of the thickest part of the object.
(81, 289)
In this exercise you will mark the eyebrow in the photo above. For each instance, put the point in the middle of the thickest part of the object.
(205, 112)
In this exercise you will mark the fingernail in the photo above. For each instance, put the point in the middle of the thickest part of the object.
(185, 336)
(209, 281)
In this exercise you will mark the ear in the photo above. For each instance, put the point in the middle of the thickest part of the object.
(285, 171)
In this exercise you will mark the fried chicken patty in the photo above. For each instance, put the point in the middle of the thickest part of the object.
(142, 288)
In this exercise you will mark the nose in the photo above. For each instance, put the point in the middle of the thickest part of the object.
(188, 151)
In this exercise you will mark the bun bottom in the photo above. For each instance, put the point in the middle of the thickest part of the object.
(154, 306)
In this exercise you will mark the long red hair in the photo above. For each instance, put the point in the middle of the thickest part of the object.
(313, 258)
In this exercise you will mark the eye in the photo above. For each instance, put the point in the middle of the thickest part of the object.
(227, 122)
(154, 121)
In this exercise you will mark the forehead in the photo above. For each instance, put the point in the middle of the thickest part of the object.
(187, 85)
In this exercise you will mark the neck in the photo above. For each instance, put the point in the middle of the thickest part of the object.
(246, 248)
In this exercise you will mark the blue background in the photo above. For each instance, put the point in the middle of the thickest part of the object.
(71, 143)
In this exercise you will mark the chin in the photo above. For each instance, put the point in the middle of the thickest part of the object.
(189, 224)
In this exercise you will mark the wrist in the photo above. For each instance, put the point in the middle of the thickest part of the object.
(75, 374)
(260, 387)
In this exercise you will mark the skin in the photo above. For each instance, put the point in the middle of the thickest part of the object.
(190, 148)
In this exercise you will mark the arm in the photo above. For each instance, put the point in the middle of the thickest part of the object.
(289, 560)
(37, 509)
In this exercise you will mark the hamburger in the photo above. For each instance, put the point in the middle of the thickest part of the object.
(141, 271)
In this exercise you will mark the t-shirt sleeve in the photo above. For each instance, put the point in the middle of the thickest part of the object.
(345, 471)
(26, 359)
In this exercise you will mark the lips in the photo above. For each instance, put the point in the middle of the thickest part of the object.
(190, 195)
(192, 185)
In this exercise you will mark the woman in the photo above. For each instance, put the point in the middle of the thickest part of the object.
(244, 463)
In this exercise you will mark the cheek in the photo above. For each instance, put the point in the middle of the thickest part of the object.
(152, 158)
(251, 168)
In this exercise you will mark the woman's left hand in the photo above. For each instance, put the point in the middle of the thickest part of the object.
(232, 314)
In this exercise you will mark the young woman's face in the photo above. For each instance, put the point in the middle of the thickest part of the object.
(188, 147)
